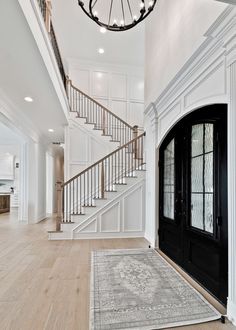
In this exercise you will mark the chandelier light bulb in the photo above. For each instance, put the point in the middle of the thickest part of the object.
(101, 51)
(122, 23)
(142, 5)
(151, 3)
(95, 14)
(103, 30)
(135, 18)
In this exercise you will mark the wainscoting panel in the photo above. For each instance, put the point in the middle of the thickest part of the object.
(110, 219)
(133, 211)
(120, 108)
(82, 80)
(136, 88)
(102, 101)
(135, 114)
(118, 86)
(100, 84)
(120, 215)
(84, 146)
(90, 227)
(109, 84)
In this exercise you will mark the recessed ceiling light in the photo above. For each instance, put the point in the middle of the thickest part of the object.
(28, 99)
(51, 130)
(103, 29)
(101, 51)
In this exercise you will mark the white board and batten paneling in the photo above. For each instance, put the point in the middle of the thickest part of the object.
(122, 216)
(83, 146)
(119, 88)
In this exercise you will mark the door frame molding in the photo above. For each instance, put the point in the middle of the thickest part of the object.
(208, 77)
(179, 229)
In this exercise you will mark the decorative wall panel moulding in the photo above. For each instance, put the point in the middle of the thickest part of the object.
(131, 213)
(168, 118)
(90, 227)
(110, 221)
(202, 89)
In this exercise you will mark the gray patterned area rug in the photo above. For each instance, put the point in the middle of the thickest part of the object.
(137, 289)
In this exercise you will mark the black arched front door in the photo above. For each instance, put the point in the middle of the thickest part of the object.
(193, 197)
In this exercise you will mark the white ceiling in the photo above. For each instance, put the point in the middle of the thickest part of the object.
(79, 37)
(23, 73)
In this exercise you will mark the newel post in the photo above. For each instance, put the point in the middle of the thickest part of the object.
(59, 205)
(135, 134)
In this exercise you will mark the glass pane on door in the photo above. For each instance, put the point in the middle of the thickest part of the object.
(202, 169)
(169, 180)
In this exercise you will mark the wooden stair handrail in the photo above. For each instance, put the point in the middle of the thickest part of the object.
(69, 81)
(102, 159)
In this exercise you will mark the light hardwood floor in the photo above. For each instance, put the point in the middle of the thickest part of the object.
(45, 284)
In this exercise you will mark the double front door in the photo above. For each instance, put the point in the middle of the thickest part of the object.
(193, 197)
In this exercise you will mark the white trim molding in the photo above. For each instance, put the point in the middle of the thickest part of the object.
(208, 77)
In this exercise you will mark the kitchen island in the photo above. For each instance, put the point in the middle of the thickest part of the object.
(4, 203)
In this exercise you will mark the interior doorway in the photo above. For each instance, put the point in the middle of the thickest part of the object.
(193, 227)
(13, 172)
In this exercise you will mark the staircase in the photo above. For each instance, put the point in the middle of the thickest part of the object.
(89, 199)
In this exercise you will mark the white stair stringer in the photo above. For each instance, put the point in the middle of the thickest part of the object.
(120, 214)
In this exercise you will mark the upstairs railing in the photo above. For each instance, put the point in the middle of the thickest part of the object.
(57, 54)
(45, 7)
(82, 190)
(102, 118)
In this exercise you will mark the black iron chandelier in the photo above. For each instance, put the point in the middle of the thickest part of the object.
(117, 15)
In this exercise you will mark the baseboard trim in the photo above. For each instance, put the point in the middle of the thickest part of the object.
(231, 311)
(151, 240)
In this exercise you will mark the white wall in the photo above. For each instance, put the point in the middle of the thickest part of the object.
(36, 182)
(119, 88)
(50, 183)
(174, 31)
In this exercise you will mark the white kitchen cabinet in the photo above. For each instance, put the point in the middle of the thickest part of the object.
(6, 167)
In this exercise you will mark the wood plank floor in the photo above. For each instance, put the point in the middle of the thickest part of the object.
(45, 284)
